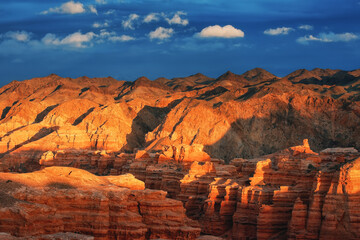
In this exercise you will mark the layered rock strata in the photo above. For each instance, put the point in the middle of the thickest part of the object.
(59, 199)
(245, 115)
(295, 193)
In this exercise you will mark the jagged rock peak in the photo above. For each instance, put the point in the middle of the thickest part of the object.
(142, 79)
(199, 75)
(258, 74)
(53, 75)
(228, 76)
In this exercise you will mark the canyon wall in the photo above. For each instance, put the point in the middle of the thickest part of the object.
(246, 115)
(295, 193)
(61, 199)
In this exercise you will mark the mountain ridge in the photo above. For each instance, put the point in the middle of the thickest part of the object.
(232, 115)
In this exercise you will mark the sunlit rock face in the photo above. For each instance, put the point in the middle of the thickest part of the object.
(295, 193)
(60, 200)
(246, 115)
(224, 157)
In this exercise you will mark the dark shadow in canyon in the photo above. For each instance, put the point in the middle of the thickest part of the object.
(147, 119)
(83, 116)
(44, 113)
(211, 94)
(5, 112)
(12, 131)
(341, 78)
(43, 132)
(287, 127)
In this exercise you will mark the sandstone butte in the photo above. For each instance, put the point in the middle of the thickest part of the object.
(183, 158)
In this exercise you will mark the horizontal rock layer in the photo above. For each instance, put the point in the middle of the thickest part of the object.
(287, 194)
(60, 199)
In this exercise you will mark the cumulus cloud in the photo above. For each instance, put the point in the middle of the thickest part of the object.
(129, 22)
(113, 37)
(217, 31)
(306, 27)
(76, 39)
(93, 9)
(17, 42)
(161, 33)
(70, 7)
(328, 37)
(122, 38)
(109, 12)
(20, 36)
(177, 19)
(278, 31)
(152, 17)
(100, 25)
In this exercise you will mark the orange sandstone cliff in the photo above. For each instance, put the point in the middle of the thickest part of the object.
(246, 115)
(295, 193)
(176, 158)
(60, 199)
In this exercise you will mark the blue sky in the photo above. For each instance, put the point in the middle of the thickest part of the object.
(126, 39)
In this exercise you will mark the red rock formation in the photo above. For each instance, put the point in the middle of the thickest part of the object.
(55, 236)
(230, 116)
(219, 206)
(286, 195)
(295, 193)
(61, 199)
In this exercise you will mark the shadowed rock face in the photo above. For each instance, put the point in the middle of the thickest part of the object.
(233, 115)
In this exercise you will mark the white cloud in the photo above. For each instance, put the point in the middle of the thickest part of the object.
(278, 31)
(227, 31)
(306, 27)
(20, 36)
(161, 33)
(93, 9)
(176, 19)
(17, 42)
(100, 25)
(109, 12)
(152, 17)
(328, 37)
(113, 37)
(306, 39)
(76, 39)
(129, 22)
(122, 38)
(70, 7)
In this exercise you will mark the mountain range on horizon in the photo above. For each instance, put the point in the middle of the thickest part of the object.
(232, 116)
(255, 73)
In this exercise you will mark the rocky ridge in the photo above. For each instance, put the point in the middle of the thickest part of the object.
(246, 115)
